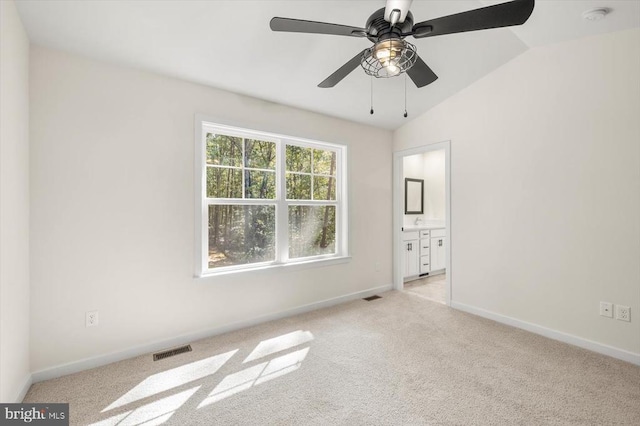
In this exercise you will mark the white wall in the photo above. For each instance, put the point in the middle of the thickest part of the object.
(14, 205)
(434, 185)
(429, 166)
(546, 186)
(113, 210)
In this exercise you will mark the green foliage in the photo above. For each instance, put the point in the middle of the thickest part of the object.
(298, 186)
(241, 234)
(224, 150)
(312, 230)
(224, 182)
(324, 162)
(260, 154)
(298, 159)
(324, 188)
(259, 184)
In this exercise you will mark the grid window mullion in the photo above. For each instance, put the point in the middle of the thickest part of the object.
(294, 228)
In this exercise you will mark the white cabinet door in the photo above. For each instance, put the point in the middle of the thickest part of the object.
(438, 254)
(411, 252)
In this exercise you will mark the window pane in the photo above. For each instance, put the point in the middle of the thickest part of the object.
(260, 184)
(298, 186)
(223, 182)
(312, 230)
(324, 188)
(224, 150)
(324, 162)
(240, 235)
(298, 159)
(260, 154)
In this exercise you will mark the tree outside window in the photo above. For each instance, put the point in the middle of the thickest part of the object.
(252, 202)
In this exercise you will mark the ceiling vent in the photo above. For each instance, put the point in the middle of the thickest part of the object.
(595, 14)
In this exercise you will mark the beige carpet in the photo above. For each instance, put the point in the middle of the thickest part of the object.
(399, 360)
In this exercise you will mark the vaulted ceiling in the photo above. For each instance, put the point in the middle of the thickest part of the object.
(228, 45)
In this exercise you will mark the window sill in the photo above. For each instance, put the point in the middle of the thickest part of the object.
(283, 267)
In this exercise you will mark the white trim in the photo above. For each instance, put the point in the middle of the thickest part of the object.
(398, 212)
(600, 348)
(28, 381)
(88, 363)
(200, 251)
(289, 266)
(203, 125)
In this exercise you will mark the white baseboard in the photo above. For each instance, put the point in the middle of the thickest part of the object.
(622, 354)
(24, 389)
(87, 363)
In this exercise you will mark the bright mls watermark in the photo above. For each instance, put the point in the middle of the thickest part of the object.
(35, 414)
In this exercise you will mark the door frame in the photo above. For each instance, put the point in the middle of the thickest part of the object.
(398, 211)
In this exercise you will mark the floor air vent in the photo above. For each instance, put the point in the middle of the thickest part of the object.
(374, 297)
(171, 352)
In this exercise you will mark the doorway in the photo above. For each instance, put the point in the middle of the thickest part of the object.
(422, 228)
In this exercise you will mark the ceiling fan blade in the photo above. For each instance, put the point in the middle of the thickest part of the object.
(515, 12)
(313, 27)
(401, 5)
(421, 74)
(342, 72)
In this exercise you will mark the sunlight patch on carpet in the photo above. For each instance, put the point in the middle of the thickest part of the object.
(281, 343)
(245, 379)
(152, 414)
(172, 378)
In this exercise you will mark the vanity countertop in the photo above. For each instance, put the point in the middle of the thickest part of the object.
(422, 227)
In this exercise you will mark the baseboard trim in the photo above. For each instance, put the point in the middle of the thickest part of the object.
(600, 348)
(88, 363)
(24, 389)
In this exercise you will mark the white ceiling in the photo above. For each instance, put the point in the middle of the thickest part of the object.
(228, 45)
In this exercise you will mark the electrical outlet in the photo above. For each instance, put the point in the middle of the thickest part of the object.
(91, 318)
(606, 309)
(623, 313)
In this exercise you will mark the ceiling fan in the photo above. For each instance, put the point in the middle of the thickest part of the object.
(387, 28)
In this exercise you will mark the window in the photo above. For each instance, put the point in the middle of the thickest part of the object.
(268, 200)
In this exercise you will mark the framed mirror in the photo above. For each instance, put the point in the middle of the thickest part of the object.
(413, 196)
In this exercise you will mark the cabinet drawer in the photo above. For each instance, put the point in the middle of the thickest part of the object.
(407, 236)
(424, 234)
(438, 232)
(424, 265)
(424, 247)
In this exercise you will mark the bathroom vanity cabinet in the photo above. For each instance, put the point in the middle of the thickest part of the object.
(423, 251)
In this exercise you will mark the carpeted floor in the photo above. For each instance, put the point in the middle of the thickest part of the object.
(398, 360)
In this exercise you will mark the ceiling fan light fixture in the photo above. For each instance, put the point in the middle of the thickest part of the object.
(394, 17)
(389, 58)
(391, 55)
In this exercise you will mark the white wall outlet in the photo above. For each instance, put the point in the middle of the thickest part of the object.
(623, 313)
(606, 309)
(91, 319)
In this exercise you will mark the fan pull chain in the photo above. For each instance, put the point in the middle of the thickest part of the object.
(371, 112)
(405, 95)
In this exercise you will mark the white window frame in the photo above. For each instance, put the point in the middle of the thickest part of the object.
(204, 126)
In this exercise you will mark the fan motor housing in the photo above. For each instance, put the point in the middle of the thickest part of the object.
(379, 29)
